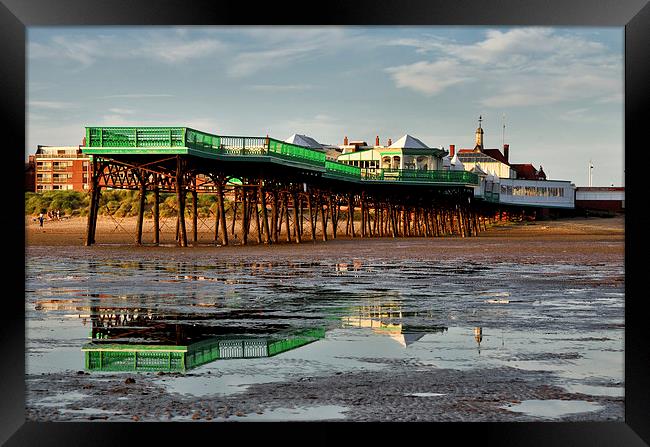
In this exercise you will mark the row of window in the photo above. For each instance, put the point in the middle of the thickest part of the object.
(67, 187)
(538, 191)
(374, 164)
(363, 163)
(47, 165)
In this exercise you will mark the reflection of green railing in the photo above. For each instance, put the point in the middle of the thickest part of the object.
(147, 358)
(342, 170)
(118, 357)
(405, 175)
(286, 344)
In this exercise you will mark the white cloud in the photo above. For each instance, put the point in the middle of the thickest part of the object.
(429, 78)
(170, 47)
(246, 64)
(283, 45)
(121, 111)
(51, 105)
(518, 67)
(172, 50)
(138, 95)
(279, 88)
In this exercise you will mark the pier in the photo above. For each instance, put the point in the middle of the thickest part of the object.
(280, 192)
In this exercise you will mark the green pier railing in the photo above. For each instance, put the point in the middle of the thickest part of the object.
(341, 170)
(142, 140)
(406, 175)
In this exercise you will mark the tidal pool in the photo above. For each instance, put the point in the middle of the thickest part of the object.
(218, 328)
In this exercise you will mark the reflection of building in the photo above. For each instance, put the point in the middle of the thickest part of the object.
(389, 320)
(478, 336)
(135, 340)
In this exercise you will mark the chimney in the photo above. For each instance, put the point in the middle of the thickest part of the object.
(345, 141)
(506, 151)
(390, 141)
(377, 140)
(452, 150)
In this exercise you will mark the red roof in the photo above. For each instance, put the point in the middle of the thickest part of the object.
(494, 153)
(599, 188)
(525, 171)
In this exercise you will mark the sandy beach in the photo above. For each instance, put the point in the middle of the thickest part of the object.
(572, 239)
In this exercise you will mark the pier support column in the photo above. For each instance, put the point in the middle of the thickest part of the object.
(244, 216)
(156, 211)
(312, 222)
(274, 217)
(351, 212)
(195, 217)
(334, 213)
(93, 206)
(180, 198)
(323, 215)
(296, 218)
(286, 215)
(265, 219)
(141, 202)
(256, 213)
(222, 213)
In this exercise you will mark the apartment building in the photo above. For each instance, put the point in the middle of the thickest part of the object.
(61, 168)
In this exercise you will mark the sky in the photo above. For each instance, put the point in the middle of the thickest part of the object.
(559, 91)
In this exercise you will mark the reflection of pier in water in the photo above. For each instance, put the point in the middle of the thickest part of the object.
(137, 340)
(389, 319)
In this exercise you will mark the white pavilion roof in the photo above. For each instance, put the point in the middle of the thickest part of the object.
(457, 165)
(478, 170)
(409, 142)
(304, 140)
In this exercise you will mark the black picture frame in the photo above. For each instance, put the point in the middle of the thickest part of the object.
(634, 15)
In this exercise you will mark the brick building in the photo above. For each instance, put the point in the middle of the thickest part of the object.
(61, 168)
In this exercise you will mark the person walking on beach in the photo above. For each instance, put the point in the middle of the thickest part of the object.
(58, 214)
(41, 218)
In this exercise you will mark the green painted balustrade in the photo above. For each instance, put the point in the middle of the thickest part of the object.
(121, 139)
(342, 170)
(405, 175)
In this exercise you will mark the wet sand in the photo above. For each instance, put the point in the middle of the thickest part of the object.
(575, 240)
(467, 395)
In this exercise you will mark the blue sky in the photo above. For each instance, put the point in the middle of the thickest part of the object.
(560, 89)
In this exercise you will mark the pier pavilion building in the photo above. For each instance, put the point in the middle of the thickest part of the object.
(407, 153)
